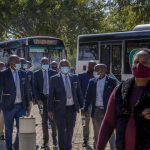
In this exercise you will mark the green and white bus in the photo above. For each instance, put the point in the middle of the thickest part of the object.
(33, 49)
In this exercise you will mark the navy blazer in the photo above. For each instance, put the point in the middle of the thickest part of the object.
(84, 80)
(8, 89)
(39, 81)
(57, 96)
(31, 87)
(110, 84)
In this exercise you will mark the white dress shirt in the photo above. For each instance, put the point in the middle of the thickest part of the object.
(47, 79)
(70, 101)
(99, 91)
(18, 91)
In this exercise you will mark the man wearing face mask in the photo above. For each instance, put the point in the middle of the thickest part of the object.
(14, 97)
(65, 99)
(41, 92)
(54, 65)
(97, 94)
(24, 67)
(84, 80)
(2, 67)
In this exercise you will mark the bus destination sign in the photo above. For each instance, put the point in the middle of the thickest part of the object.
(44, 42)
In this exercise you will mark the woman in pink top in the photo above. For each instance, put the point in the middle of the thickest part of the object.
(128, 110)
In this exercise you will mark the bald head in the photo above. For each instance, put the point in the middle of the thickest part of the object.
(44, 60)
(64, 63)
(13, 60)
(54, 65)
(23, 60)
(100, 69)
(91, 66)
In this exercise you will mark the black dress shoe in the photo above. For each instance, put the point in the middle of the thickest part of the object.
(85, 144)
(2, 137)
(44, 146)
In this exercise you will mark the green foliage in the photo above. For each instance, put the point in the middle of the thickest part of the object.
(67, 19)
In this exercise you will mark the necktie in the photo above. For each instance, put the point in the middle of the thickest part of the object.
(68, 87)
(17, 85)
(45, 86)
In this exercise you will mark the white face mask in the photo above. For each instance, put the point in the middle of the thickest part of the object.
(4, 68)
(95, 74)
(65, 70)
(45, 67)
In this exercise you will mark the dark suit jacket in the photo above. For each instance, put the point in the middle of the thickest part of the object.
(84, 80)
(110, 84)
(31, 87)
(8, 89)
(39, 81)
(57, 95)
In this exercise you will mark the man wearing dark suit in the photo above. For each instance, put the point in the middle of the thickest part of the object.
(24, 67)
(97, 94)
(14, 97)
(84, 80)
(54, 66)
(65, 99)
(41, 92)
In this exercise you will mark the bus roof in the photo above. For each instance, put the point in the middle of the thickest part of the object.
(114, 36)
(141, 27)
(33, 37)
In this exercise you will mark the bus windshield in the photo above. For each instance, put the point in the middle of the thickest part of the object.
(45, 47)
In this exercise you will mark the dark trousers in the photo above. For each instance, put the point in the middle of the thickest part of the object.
(65, 125)
(15, 113)
(44, 117)
(54, 131)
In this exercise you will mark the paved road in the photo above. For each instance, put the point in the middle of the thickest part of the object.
(77, 138)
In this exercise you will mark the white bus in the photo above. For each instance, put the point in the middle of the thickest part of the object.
(111, 49)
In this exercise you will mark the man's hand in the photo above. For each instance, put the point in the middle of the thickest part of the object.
(146, 113)
(50, 115)
(83, 112)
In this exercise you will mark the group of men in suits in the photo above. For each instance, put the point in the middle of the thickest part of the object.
(59, 94)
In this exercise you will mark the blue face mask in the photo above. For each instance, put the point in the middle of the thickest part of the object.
(65, 70)
(17, 66)
(45, 67)
(25, 66)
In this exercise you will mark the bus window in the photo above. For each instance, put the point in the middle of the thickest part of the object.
(105, 56)
(116, 59)
(133, 44)
(88, 51)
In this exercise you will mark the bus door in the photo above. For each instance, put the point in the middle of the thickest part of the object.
(111, 56)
